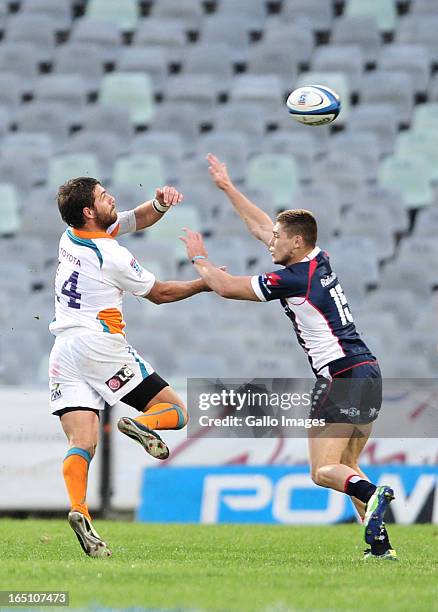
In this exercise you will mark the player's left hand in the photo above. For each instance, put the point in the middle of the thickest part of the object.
(194, 244)
(168, 196)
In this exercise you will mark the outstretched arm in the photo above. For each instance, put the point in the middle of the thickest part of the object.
(174, 291)
(152, 211)
(256, 220)
(219, 281)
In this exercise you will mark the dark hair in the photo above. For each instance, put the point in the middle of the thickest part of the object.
(301, 222)
(75, 195)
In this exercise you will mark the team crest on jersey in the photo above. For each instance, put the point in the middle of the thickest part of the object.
(120, 378)
(136, 266)
(273, 279)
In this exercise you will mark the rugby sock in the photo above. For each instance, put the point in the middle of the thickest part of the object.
(163, 416)
(75, 471)
(357, 487)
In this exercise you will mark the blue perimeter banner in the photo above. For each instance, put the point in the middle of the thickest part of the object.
(276, 494)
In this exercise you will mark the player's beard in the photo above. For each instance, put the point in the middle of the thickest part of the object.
(107, 219)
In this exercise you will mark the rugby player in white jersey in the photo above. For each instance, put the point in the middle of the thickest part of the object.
(348, 389)
(91, 361)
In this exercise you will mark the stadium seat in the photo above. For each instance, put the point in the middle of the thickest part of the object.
(413, 59)
(140, 170)
(66, 89)
(425, 118)
(266, 90)
(10, 222)
(423, 7)
(419, 30)
(419, 248)
(22, 171)
(215, 59)
(253, 11)
(20, 58)
(250, 118)
(124, 14)
(131, 90)
(400, 302)
(347, 253)
(104, 145)
(199, 90)
(383, 323)
(390, 199)
(347, 59)
(181, 118)
(346, 172)
(421, 143)
(169, 34)
(372, 222)
(384, 11)
(279, 173)
(323, 201)
(318, 12)
(389, 86)
(335, 80)
(230, 147)
(58, 10)
(269, 58)
(152, 60)
(358, 30)
(168, 145)
(426, 223)
(189, 12)
(83, 59)
(410, 176)
(43, 117)
(36, 29)
(295, 38)
(380, 119)
(105, 35)
(404, 275)
(113, 119)
(41, 204)
(227, 251)
(301, 146)
(169, 231)
(38, 147)
(361, 144)
(227, 29)
(12, 89)
(64, 166)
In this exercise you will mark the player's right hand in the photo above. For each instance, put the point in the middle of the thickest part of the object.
(218, 172)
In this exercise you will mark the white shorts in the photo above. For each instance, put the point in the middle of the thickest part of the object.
(90, 369)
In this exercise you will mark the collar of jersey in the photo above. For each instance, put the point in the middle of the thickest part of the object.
(311, 255)
(89, 235)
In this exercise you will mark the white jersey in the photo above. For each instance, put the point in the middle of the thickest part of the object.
(93, 273)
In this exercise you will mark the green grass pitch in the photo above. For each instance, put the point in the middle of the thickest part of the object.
(223, 567)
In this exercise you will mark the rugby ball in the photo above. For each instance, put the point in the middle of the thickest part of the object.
(314, 105)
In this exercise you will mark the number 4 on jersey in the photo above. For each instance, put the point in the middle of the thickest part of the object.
(71, 292)
(341, 304)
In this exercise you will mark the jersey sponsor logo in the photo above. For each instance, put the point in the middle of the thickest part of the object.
(136, 266)
(69, 257)
(120, 378)
(350, 412)
(327, 280)
(55, 392)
